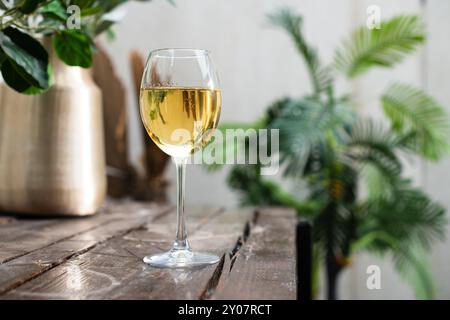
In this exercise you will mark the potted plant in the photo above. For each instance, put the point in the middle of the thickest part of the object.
(52, 148)
(327, 144)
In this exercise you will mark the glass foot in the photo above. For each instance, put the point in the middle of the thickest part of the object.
(181, 259)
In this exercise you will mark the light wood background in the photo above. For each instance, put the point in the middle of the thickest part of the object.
(258, 64)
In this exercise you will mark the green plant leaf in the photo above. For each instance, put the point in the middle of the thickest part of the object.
(412, 264)
(14, 77)
(371, 143)
(320, 76)
(382, 47)
(306, 125)
(421, 123)
(6, 5)
(106, 6)
(91, 11)
(410, 261)
(83, 4)
(404, 224)
(49, 25)
(103, 26)
(30, 6)
(110, 34)
(3, 6)
(246, 180)
(379, 183)
(54, 9)
(254, 190)
(408, 216)
(74, 48)
(25, 65)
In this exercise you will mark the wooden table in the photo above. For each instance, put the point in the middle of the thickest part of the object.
(100, 257)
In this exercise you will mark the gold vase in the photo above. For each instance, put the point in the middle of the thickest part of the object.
(52, 158)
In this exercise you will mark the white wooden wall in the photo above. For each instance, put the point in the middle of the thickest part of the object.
(258, 64)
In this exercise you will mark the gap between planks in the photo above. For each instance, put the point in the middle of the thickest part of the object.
(230, 256)
(262, 264)
(211, 283)
(100, 225)
(43, 272)
(57, 228)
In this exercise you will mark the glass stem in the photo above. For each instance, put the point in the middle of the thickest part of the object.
(181, 242)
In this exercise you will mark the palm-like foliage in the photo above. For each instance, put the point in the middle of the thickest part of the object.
(383, 47)
(404, 222)
(320, 77)
(306, 126)
(418, 119)
(324, 142)
(369, 143)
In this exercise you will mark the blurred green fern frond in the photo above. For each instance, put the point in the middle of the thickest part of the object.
(408, 216)
(411, 262)
(254, 190)
(320, 76)
(306, 126)
(418, 119)
(404, 223)
(370, 143)
(384, 47)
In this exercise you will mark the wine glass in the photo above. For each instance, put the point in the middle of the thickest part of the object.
(180, 103)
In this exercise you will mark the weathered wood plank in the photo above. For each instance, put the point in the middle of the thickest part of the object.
(105, 262)
(78, 238)
(116, 249)
(27, 235)
(114, 269)
(264, 266)
(11, 233)
(217, 236)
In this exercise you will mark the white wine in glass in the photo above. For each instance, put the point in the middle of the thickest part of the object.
(178, 119)
(180, 103)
